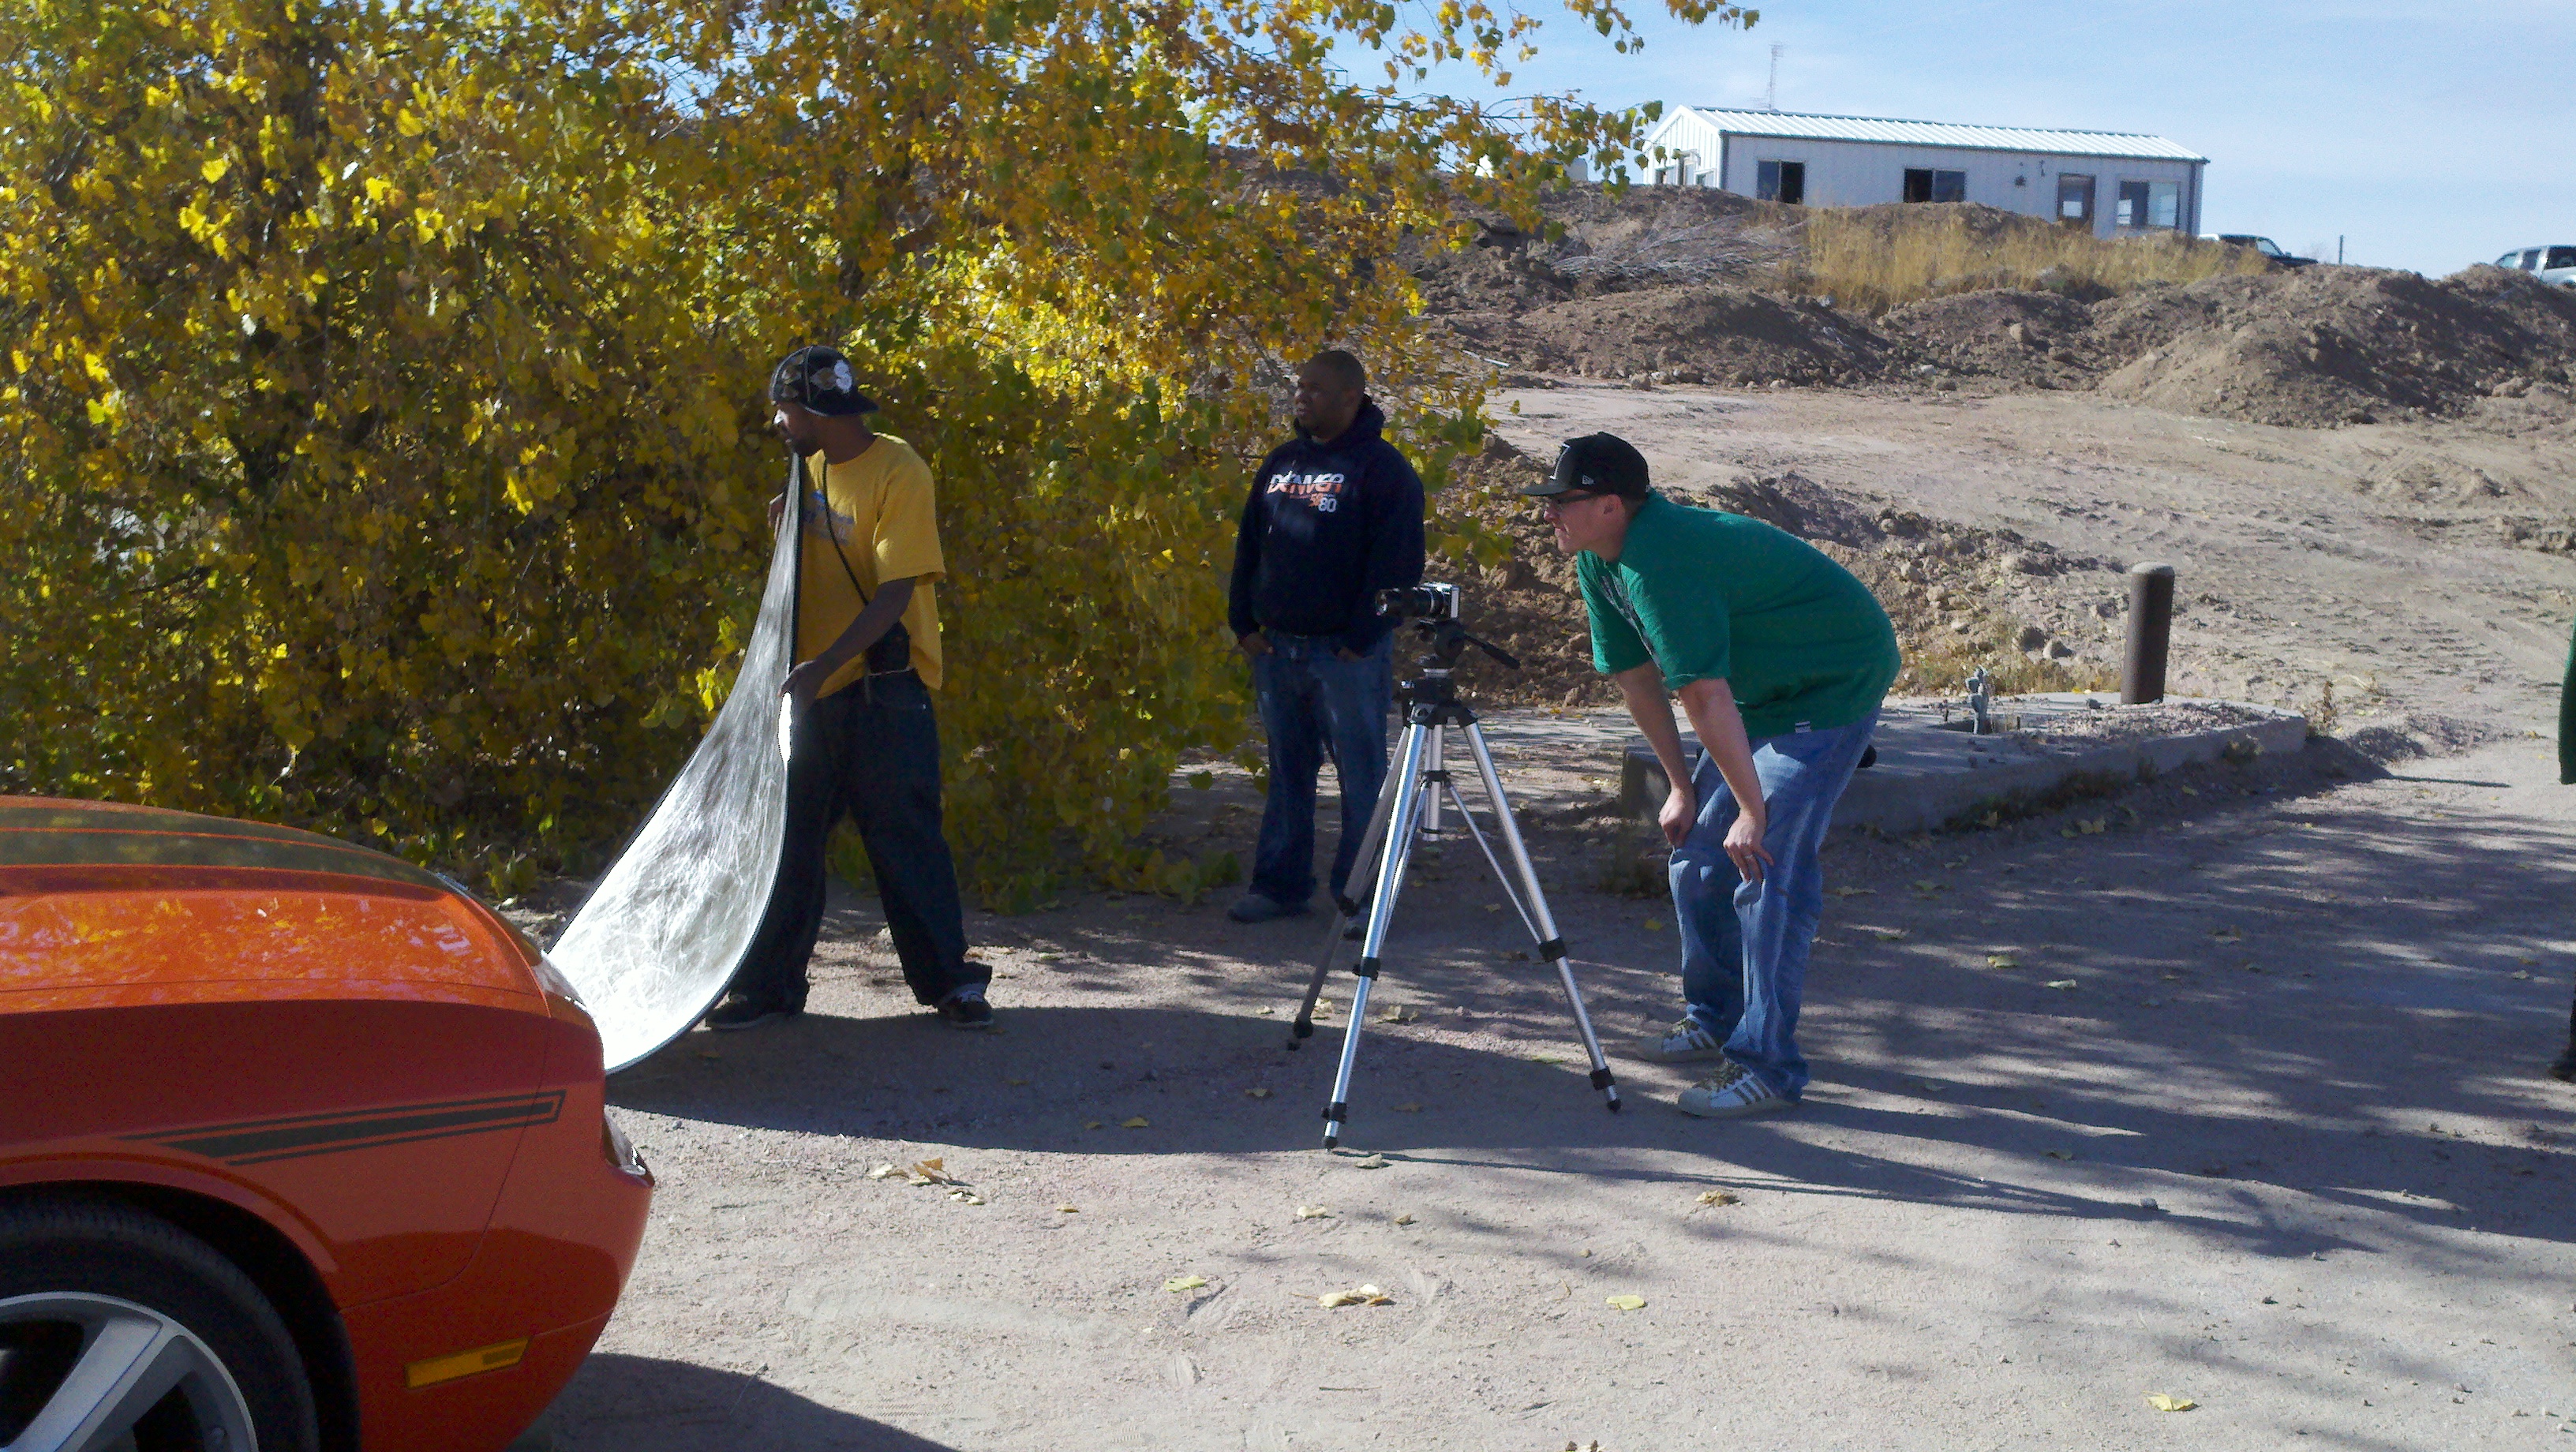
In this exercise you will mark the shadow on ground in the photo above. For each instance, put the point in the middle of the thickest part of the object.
(645, 1404)
(2292, 996)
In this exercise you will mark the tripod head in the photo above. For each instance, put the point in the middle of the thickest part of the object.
(1446, 642)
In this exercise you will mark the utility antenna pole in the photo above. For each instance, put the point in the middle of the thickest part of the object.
(1771, 96)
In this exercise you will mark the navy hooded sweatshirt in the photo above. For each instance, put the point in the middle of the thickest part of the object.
(1327, 527)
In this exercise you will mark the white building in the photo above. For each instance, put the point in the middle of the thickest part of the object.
(2112, 182)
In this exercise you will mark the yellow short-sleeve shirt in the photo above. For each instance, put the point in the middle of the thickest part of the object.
(885, 519)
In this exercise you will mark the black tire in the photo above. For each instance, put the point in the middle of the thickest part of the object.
(76, 1248)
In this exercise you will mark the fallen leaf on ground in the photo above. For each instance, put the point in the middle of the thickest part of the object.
(2061, 983)
(1925, 884)
(1547, 1058)
(1404, 1219)
(1139, 1122)
(1493, 907)
(2522, 973)
(1654, 925)
(884, 1172)
(1363, 1296)
(1256, 1093)
(2093, 826)
(2228, 935)
(2164, 1403)
(1855, 892)
(1720, 1197)
(1091, 1124)
(1408, 1109)
(2057, 1154)
(1398, 1015)
(2002, 960)
(1886, 935)
(1627, 1303)
(1373, 1162)
(1313, 1212)
(1068, 1209)
(1184, 1283)
(929, 1172)
(1265, 1009)
(968, 1197)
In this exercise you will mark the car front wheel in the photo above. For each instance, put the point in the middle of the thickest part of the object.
(121, 1331)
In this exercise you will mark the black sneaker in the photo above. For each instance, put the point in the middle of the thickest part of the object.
(739, 1012)
(965, 1008)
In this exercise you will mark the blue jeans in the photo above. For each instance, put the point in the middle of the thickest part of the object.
(1314, 704)
(1744, 947)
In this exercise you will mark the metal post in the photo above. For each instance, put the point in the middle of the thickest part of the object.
(2142, 670)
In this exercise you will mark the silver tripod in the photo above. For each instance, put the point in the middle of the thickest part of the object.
(1412, 804)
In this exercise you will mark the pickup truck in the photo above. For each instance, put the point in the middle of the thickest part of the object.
(2550, 264)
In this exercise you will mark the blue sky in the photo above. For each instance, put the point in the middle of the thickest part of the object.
(2429, 135)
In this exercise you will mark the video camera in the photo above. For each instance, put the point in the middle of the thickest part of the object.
(1422, 602)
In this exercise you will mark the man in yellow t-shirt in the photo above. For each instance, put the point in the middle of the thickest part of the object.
(866, 740)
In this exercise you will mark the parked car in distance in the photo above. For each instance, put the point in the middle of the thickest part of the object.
(2270, 249)
(2555, 264)
(301, 1148)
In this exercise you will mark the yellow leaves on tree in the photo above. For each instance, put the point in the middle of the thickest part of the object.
(385, 440)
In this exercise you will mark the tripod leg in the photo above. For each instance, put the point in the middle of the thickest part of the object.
(1390, 883)
(1551, 947)
(1345, 911)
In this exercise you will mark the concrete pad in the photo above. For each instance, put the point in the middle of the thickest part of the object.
(1931, 771)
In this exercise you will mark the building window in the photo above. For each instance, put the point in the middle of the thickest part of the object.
(1780, 181)
(2148, 204)
(1923, 184)
(2075, 199)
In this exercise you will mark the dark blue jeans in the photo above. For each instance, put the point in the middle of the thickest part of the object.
(1744, 948)
(1314, 704)
(870, 749)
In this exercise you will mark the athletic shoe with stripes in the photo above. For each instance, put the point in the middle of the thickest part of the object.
(1685, 1043)
(1733, 1092)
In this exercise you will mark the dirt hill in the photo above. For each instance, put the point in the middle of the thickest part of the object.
(1689, 286)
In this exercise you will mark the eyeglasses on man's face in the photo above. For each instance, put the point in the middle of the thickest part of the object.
(1556, 504)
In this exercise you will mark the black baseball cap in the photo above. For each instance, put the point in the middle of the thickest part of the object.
(817, 379)
(1595, 464)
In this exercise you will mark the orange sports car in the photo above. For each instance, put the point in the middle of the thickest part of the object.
(301, 1147)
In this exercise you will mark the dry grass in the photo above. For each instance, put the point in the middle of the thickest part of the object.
(1875, 258)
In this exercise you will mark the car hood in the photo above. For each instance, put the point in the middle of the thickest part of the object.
(47, 832)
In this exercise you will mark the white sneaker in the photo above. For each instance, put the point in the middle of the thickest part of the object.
(1687, 1043)
(1733, 1092)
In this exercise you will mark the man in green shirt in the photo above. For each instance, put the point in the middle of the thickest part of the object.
(1780, 658)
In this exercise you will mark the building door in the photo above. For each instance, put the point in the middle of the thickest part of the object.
(2075, 200)
(1781, 181)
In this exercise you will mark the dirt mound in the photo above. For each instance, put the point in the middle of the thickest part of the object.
(2335, 345)
(1700, 334)
(2034, 339)
(1652, 237)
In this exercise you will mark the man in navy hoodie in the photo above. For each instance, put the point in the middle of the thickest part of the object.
(1335, 516)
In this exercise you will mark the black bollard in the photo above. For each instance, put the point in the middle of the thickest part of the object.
(2142, 671)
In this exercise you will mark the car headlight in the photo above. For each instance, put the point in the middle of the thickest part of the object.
(621, 1150)
(551, 979)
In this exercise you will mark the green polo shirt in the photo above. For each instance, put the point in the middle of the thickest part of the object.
(1706, 595)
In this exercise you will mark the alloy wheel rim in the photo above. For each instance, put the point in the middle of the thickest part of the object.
(130, 1361)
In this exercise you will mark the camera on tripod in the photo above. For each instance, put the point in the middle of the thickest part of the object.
(1422, 602)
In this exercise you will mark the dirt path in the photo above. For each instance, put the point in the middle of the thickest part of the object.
(2280, 1149)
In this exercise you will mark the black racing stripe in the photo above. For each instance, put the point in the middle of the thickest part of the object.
(260, 1140)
